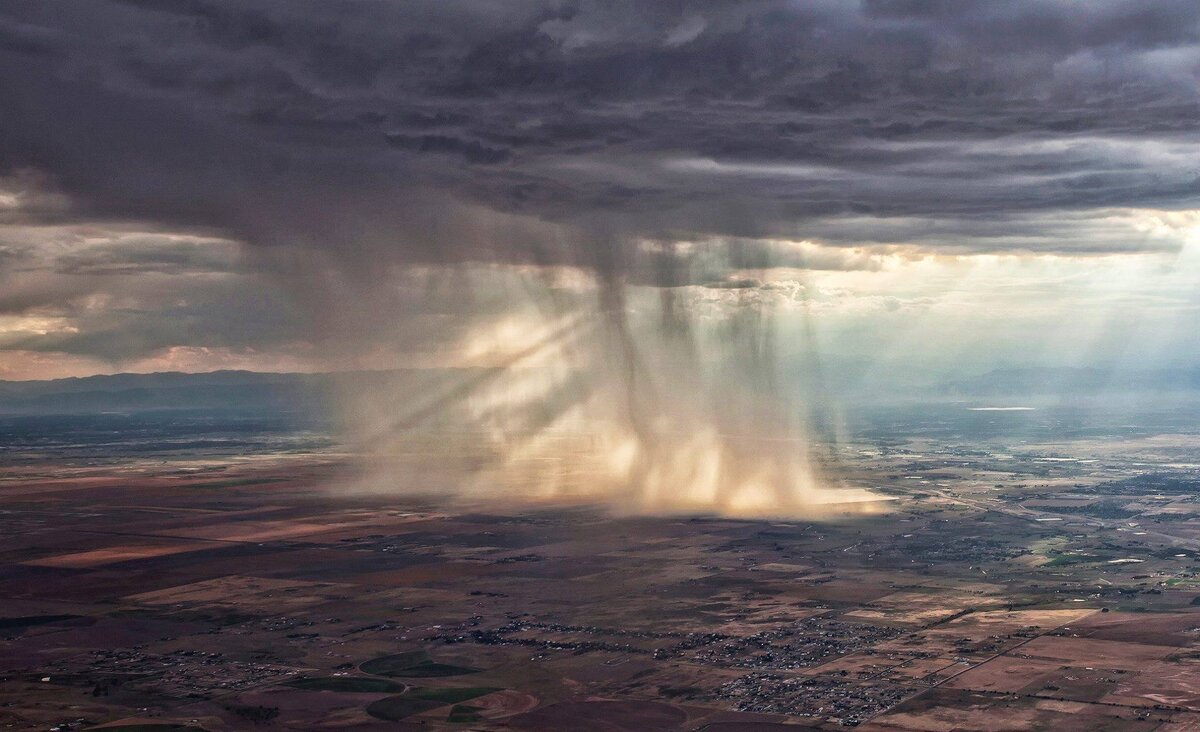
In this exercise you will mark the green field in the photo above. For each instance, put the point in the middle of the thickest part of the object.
(413, 664)
(395, 708)
(452, 696)
(347, 684)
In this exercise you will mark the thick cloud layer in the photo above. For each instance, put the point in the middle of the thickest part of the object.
(399, 127)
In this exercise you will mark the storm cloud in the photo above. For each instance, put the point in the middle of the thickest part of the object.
(342, 124)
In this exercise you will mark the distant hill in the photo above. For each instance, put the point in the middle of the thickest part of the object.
(231, 391)
(224, 390)
(1074, 382)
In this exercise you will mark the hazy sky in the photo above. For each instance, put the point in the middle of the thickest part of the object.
(932, 185)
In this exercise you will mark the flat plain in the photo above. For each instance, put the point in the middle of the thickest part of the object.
(1006, 583)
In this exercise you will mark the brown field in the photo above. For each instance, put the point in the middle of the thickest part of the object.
(966, 711)
(211, 599)
(1005, 674)
(916, 608)
(1175, 684)
(1010, 621)
(244, 592)
(602, 716)
(1085, 652)
(1163, 629)
(116, 554)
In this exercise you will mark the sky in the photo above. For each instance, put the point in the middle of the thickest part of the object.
(898, 188)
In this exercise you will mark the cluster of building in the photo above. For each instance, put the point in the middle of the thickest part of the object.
(827, 698)
(806, 643)
(176, 674)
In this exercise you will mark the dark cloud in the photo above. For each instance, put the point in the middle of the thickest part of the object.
(471, 150)
(338, 123)
(150, 255)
